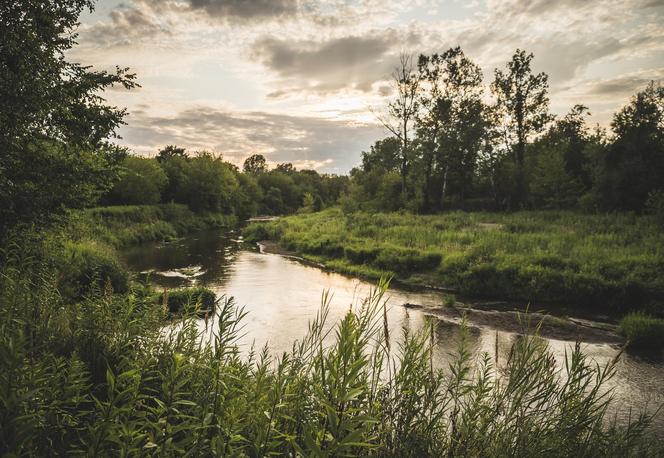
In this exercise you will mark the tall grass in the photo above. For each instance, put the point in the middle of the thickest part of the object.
(125, 225)
(613, 263)
(101, 377)
(643, 332)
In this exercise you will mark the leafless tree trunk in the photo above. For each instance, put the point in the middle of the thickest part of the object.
(402, 110)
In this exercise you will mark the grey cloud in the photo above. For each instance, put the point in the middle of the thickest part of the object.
(126, 26)
(626, 84)
(355, 62)
(246, 9)
(333, 145)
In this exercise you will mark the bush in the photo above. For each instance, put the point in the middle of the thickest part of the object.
(643, 332)
(86, 268)
(183, 299)
(361, 255)
(407, 261)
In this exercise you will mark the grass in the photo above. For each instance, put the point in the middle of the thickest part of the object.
(121, 226)
(609, 263)
(643, 332)
(178, 300)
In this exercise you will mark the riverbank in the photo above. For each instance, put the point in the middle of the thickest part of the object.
(609, 264)
(125, 225)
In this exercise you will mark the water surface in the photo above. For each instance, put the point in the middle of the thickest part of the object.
(282, 295)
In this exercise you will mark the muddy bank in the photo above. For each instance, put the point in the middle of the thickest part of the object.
(548, 326)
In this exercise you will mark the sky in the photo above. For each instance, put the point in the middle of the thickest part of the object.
(299, 80)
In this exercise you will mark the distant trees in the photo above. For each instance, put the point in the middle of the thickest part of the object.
(466, 150)
(633, 165)
(206, 183)
(141, 181)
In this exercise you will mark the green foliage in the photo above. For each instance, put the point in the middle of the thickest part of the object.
(255, 164)
(208, 185)
(643, 332)
(89, 268)
(655, 204)
(120, 226)
(141, 182)
(55, 124)
(180, 300)
(608, 262)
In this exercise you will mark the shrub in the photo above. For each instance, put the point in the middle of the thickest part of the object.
(182, 299)
(361, 255)
(643, 332)
(86, 268)
(407, 261)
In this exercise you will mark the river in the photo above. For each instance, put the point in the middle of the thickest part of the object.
(282, 294)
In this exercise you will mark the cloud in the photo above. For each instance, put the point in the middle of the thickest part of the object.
(126, 26)
(329, 145)
(625, 85)
(348, 62)
(246, 10)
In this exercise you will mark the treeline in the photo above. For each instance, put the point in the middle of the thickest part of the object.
(206, 183)
(454, 147)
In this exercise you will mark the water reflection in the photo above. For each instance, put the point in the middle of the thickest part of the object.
(282, 296)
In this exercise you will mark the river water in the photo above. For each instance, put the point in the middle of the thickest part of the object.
(282, 295)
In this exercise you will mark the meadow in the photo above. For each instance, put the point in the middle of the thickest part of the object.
(610, 263)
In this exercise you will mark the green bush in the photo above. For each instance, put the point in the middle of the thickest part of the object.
(86, 268)
(182, 299)
(404, 260)
(643, 332)
(361, 255)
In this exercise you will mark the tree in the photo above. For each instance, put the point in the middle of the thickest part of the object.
(55, 125)
(255, 164)
(523, 104)
(402, 110)
(286, 167)
(634, 162)
(452, 124)
(170, 152)
(384, 154)
(552, 185)
(141, 182)
(209, 184)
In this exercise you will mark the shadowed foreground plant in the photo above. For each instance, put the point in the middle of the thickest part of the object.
(120, 382)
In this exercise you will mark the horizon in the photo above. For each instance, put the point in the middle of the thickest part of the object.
(295, 81)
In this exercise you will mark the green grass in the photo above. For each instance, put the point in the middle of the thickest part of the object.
(611, 263)
(643, 332)
(120, 226)
(179, 301)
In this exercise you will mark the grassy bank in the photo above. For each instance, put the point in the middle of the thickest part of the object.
(610, 263)
(83, 249)
(126, 225)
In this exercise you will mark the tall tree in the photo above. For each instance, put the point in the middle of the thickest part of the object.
(55, 125)
(402, 110)
(523, 104)
(634, 163)
(255, 164)
(452, 124)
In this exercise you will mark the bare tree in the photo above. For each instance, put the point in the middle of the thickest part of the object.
(402, 110)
